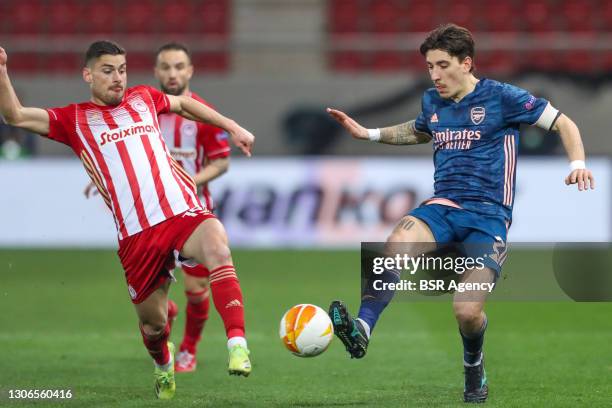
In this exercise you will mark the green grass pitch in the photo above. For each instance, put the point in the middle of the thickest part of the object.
(66, 322)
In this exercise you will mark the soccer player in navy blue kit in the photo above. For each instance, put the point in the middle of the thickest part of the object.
(474, 126)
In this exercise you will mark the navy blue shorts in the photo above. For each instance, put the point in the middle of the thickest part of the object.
(481, 235)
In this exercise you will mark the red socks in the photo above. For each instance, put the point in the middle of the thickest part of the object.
(157, 346)
(197, 313)
(227, 297)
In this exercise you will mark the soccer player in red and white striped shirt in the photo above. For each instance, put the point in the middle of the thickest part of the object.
(203, 151)
(153, 201)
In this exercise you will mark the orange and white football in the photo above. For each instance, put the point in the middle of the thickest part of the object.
(306, 330)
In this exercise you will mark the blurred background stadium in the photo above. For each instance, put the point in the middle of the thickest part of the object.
(274, 65)
(265, 61)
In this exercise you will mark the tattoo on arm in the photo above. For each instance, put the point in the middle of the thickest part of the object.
(403, 134)
(406, 224)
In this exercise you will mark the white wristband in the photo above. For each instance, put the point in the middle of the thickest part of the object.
(374, 134)
(577, 165)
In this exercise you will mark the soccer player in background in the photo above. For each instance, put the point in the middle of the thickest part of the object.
(474, 125)
(153, 201)
(203, 152)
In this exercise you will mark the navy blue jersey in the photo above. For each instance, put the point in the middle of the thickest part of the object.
(475, 142)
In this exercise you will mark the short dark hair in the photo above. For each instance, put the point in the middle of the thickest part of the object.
(173, 46)
(455, 40)
(104, 47)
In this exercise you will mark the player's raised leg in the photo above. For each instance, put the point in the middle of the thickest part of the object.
(411, 235)
(198, 303)
(468, 307)
(153, 319)
(208, 245)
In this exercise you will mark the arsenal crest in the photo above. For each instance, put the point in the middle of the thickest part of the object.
(477, 114)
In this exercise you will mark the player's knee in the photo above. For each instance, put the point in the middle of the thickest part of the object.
(154, 328)
(197, 292)
(394, 241)
(217, 253)
(399, 242)
(394, 238)
(468, 314)
(202, 285)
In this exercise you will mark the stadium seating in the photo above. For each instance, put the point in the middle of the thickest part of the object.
(500, 62)
(606, 16)
(145, 22)
(176, 14)
(420, 15)
(25, 63)
(579, 16)
(515, 22)
(344, 16)
(139, 17)
(538, 16)
(498, 17)
(62, 18)
(140, 61)
(26, 17)
(606, 61)
(212, 61)
(101, 20)
(212, 17)
(525, 27)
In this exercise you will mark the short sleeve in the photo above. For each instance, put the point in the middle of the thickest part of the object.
(160, 100)
(420, 123)
(62, 123)
(214, 141)
(519, 106)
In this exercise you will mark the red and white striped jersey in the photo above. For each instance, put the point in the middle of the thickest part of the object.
(125, 155)
(192, 144)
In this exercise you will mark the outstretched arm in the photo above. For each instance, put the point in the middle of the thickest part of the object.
(195, 110)
(402, 134)
(572, 142)
(33, 119)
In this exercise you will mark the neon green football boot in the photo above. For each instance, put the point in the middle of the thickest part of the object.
(239, 363)
(165, 386)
